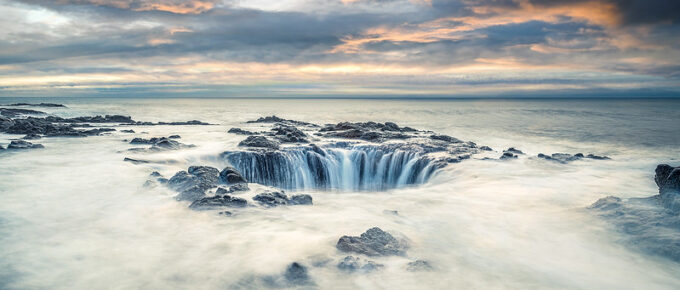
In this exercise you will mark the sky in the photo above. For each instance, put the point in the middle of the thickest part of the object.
(340, 48)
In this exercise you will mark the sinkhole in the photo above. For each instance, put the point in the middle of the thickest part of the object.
(347, 168)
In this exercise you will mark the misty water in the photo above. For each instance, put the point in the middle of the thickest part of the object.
(75, 216)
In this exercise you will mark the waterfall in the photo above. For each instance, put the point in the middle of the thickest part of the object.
(353, 168)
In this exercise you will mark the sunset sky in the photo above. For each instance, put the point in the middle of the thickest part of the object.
(304, 48)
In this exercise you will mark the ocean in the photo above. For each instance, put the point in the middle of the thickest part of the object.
(74, 215)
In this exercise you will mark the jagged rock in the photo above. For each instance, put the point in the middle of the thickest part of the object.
(31, 137)
(174, 137)
(276, 198)
(5, 123)
(155, 174)
(485, 148)
(159, 144)
(296, 274)
(373, 242)
(369, 131)
(21, 144)
(218, 201)
(239, 187)
(418, 265)
(240, 131)
(192, 185)
(596, 157)
(353, 264)
(290, 134)
(230, 175)
(259, 142)
(127, 131)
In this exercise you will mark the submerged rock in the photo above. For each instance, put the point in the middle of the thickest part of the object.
(13, 113)
(259, 142)
(275, 119)
(507, 155)
(31, 137)
(651, 224)
(373, 242)
(276, 198)
(354, 264)
(159, 144)
(21, 144)
(49, 105)
(418, 265)
(296, 274)
(513, 150)
(127, 131)
(239, 187)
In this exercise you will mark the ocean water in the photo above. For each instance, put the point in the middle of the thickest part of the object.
(75, 216)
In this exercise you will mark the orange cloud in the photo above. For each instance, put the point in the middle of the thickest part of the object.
(173, 6)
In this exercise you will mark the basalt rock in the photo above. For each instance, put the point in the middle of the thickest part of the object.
(373, 242)
(275, 119)
(507, 155)
(31, 137)
(445, 138)
(159, 144)
(13, 113)
(236, 188)
(21, 144)
(290, 134)
(193, 183)
(49, 105)
(276, 198)
(513, 150)
(230, 175)
(218, 201)
(296, 274)
(259, 142)
(566, 157)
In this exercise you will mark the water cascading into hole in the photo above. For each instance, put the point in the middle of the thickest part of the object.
(353, 168)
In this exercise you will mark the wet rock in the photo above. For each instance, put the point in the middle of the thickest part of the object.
(240, 131)
(226, 213)
(507, 155)
(218, 201)
(354, 264)
(159, 144)
(192, 184)
(21, 144)
(31, 137)
(445, 138)
(5, 123)
(596, 157)
(49, 105)
(369, 131)
(485, 148)
(13, 113)
(230, 175)
(418, 266)
(373, 242)
(259, 142)
(566, 158)
(276, 198)
(174, 137)
(2, 148)
(296, 274)
(155, 174)
(275, 119)
(135, 161)
(236, 188)
(514, 150)
(290, 134)
(127, 131)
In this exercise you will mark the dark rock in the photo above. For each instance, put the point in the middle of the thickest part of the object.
(155, 174)
(290, 134)
(596, 157)
(230, 175)
(259, 142)
(240, 131)
(507, 155)
(31, 137)
(353, 264)
(418, 265)
(239, 187)
(2, 148)
(13, 113)
(159, 144)
(296, 274)
(192, 186)
(226, 213)
(566, 158)
(135, 161)
(485, 148)
(36, 105)
(21, 144)
(373, 242)
(127, 131)
(445, 138)
(5, 123)
(369, 131)
(514, 150)
(218, 201)
(275, 119)
(174, 137)
(300, 199)
(271, 199)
